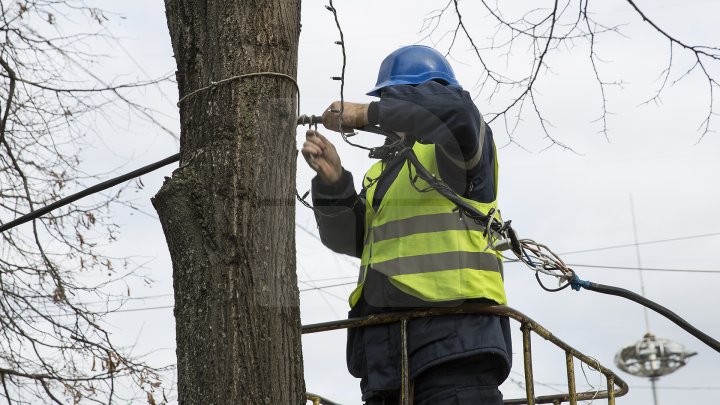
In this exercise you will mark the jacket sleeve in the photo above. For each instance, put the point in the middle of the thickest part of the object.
(340, 215)
(447, 117)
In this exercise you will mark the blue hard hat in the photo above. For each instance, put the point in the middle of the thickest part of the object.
(413, 64)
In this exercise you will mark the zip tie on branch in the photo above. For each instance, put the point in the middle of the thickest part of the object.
(213, 84)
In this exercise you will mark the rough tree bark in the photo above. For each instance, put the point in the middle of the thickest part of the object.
(228, 210)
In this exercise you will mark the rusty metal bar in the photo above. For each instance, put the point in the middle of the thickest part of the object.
(616, 386)
(551, 399)
(611, 392)
(404, 365)
(318, 400)
(527, 357)
(572, 390)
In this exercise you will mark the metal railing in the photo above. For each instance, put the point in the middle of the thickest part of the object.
(616, 387)
(318, 400)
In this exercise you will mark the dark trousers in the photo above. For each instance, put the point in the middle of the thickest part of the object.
(472, 381)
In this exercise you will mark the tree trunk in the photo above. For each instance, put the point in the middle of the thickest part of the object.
(228, 210)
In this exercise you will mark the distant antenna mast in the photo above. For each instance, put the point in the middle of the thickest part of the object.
(649, 357)
(639, 263)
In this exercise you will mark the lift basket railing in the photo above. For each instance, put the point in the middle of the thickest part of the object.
(616, 387)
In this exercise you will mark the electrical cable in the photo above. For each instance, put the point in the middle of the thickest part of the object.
(319, 288)
(597, 266)
(142, 309)
(88, 191)
(705, 235)
(600, 266)
(324, 286)
(562, 287)
(341, 78)
(676, 319)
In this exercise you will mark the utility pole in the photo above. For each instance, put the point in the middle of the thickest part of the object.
(228, 210)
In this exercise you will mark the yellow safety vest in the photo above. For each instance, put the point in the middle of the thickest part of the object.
(423, 245)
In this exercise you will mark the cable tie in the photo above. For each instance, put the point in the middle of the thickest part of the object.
(332, 110)
(336, 77)
(330, 8)
(338, 42)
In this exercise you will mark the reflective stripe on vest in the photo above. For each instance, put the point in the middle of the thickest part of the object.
(423, 245)
(439, 262)
(444, 221)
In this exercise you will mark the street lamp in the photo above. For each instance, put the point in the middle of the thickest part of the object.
(652, 358)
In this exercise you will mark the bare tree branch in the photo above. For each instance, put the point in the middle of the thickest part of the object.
(5, 388)
(51, 100)
(699, 51)
(9, 100)
(542, 34)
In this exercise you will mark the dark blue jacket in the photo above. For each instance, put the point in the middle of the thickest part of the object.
(447, 117)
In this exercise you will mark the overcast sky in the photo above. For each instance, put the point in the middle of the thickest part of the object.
(569, 200)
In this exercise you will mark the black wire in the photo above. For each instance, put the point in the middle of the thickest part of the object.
(413, 181)
(678, 320)
(91, 190)
(389, 161)
(447, 192)
(302, 199)
(319, 212)
(537, 276)
(332, 9)
(388, 150)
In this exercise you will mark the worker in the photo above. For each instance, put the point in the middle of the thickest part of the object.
(416, 250)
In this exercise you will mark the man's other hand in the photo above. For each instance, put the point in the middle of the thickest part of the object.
(322, 157)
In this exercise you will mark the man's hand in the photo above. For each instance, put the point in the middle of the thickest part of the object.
(322, 157)
(355, 115)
